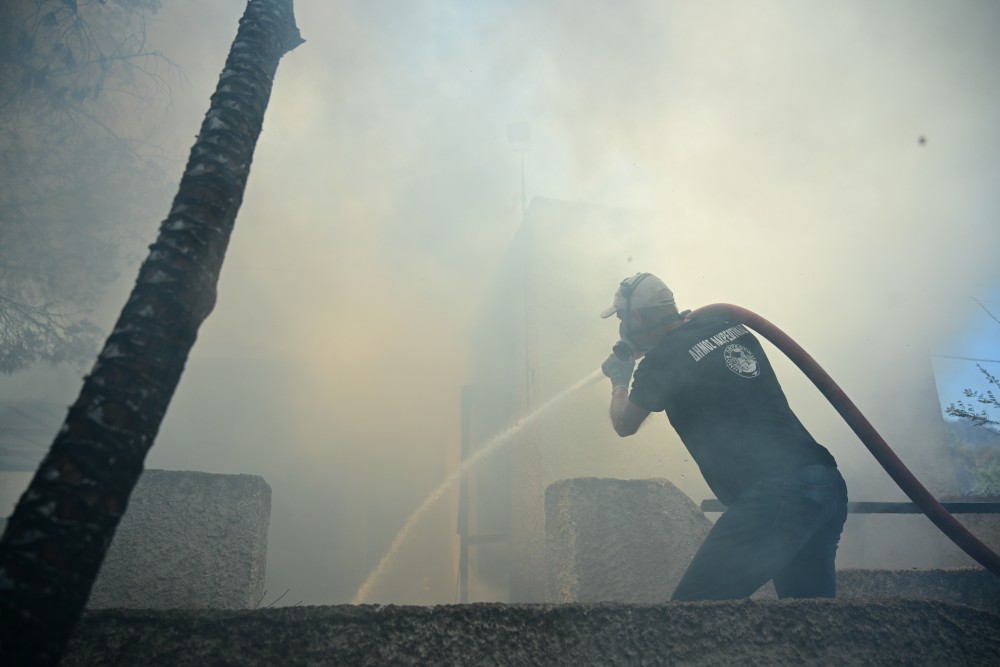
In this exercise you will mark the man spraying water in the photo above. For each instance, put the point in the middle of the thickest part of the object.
(786, 501)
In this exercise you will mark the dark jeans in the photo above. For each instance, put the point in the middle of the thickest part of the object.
(781, 528)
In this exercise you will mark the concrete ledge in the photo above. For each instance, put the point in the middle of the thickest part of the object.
(799, 632)
(975, 587)
(188, 540)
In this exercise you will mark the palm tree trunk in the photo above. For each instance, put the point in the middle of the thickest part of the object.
(62, 526)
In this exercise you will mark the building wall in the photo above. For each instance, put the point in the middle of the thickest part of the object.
(540, 333)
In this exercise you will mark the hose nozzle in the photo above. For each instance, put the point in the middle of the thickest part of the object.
(625, 349)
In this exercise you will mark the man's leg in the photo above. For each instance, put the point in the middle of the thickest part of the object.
(812, 573)
(742, 552)
(759, 535)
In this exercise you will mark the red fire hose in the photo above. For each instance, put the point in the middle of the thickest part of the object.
(900, 474)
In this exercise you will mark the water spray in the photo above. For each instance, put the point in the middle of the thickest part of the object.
(492, 445)
(899, 473)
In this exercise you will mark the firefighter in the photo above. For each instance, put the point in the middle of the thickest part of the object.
(786, 502)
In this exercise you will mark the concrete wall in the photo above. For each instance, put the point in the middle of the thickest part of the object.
(188, 540)
(702, 634)
(970, 586)
(618, 540)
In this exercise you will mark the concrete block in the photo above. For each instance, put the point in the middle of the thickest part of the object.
(188, 540)
(618, 540)
(972, 586)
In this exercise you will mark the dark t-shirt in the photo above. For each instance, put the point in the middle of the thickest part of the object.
(716, 385)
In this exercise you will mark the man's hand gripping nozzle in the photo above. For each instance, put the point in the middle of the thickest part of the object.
(618, 370)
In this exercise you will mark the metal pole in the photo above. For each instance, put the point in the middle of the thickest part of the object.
(463, 497)
(527, 290)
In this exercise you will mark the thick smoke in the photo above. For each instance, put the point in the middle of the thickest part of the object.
(831, 166)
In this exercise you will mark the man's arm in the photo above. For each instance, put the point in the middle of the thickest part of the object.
(626, 416)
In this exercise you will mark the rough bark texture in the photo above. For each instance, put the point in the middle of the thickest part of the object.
(61, 528)
(800, 632)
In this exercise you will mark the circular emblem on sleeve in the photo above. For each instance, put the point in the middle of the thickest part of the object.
(741, 361)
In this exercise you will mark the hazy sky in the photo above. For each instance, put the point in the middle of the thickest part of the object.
(777, 145)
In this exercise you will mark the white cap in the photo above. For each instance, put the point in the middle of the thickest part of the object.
(643, 290)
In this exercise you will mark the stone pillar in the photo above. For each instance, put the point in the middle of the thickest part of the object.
(618, 540)
(188, 540)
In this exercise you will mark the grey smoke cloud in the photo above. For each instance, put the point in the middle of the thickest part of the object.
(775, 145)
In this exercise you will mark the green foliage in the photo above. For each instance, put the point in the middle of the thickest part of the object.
(986, 398)
(74, 178)
(974, 440)
(975, 454)
(988, 478)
